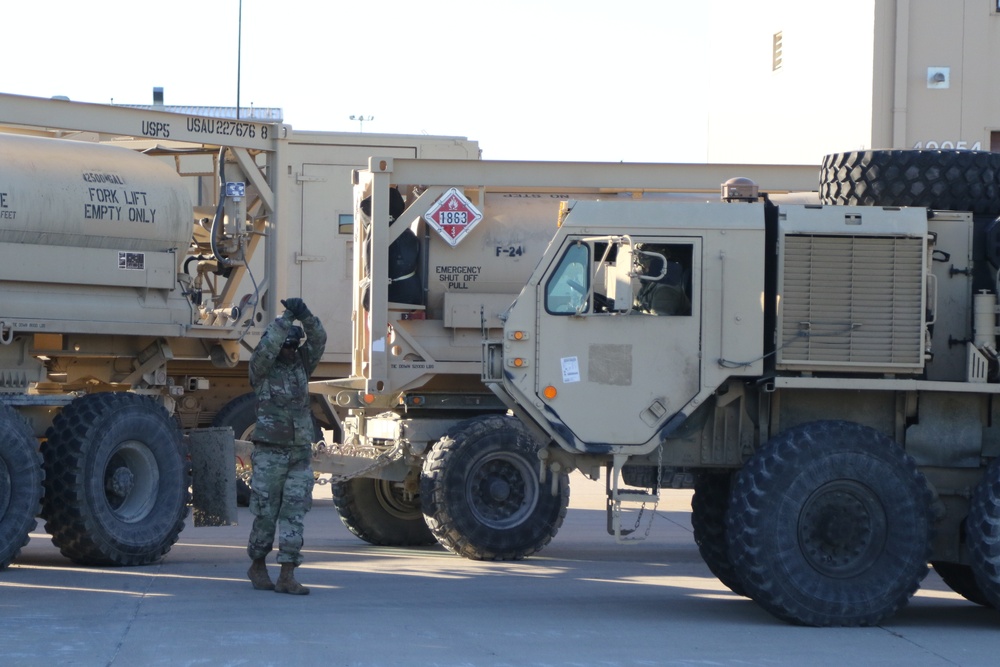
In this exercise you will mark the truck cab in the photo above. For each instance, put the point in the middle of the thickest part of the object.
(587, 329)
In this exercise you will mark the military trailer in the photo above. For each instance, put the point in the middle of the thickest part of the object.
(819, 367)
(142, 252)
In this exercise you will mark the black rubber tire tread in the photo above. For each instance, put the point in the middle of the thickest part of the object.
(240, 414)
(473, 447)
(982, 534)
(961, 579)
(708, 521)
(374, 512)
(21, 487)
(85, 438)
(950, 180)
(777, 503)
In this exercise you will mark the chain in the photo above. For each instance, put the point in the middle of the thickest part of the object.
(245, 472)
(638, 520)
(659, 480)
(642, 508)
(386, 457)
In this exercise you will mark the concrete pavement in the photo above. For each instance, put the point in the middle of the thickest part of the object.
(584, 600)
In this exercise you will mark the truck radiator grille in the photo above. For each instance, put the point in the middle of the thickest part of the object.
(851, 301)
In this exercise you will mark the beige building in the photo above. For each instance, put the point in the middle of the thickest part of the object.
(797, 80)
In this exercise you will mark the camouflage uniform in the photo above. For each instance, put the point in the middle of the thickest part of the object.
(282, 471)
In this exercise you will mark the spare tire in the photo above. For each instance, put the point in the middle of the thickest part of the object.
(943, 180)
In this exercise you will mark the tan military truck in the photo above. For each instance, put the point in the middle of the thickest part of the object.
(141, 254)
(820, 368)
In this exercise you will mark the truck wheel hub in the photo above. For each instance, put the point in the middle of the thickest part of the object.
(498, 493)
(841, 529)
(120, 482)
(499, 490)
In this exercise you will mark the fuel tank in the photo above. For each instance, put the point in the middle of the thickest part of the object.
(92, 240)
(78, 194)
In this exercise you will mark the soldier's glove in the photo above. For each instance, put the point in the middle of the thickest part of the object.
(297, 307)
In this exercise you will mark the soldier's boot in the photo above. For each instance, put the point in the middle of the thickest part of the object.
(286, 581)
(258, 575)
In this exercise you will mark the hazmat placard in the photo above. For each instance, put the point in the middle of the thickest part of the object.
(453, 216)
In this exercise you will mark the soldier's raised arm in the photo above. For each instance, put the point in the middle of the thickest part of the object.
(266, 352)
(315, 333)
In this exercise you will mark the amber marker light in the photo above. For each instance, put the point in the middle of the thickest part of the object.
(549, 392)
(518, 362)
(368, 398)
(518, 335)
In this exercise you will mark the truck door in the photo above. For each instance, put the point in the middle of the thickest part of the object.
(618, 339)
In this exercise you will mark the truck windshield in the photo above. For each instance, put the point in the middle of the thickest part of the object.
(567, 289)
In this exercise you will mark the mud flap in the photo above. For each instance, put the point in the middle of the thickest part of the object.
(213, 489)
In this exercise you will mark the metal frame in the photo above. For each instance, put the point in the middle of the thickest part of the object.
(370, 361)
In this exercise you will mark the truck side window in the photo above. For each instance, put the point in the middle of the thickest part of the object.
(664, 279)
(345, 223)
(567, 288)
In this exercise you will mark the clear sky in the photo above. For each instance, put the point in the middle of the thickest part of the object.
(594, 80)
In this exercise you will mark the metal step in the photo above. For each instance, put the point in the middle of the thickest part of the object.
(635, 496)
(617, 497)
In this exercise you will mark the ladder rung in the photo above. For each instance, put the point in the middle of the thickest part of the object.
(635, 496)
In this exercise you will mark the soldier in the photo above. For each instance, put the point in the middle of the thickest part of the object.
(666, 294)
(282, 471)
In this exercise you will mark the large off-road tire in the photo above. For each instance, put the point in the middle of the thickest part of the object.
(708, 521)
(20, 483)
(240, 414)
(117, 478)
(829, 524)
(961, 579)
(982, 534)
(377, 511)
(481, 494)
(945, 179)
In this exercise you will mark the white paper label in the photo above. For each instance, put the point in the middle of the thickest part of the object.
(570, 369)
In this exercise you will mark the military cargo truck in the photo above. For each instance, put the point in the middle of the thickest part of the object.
(125, 275)
(821, 368)
(141, 254)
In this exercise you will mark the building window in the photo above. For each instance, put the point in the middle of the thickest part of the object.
(776, 51)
